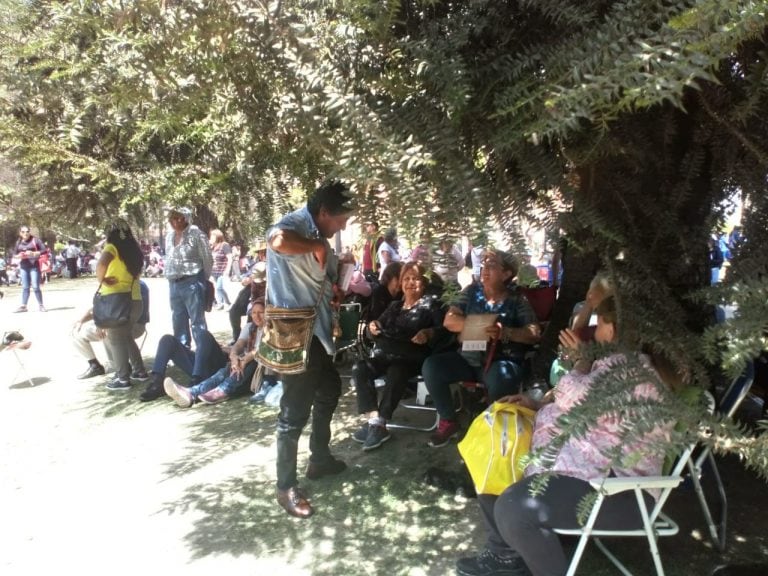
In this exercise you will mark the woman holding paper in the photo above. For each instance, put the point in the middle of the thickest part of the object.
(401, 336)
(507, 328)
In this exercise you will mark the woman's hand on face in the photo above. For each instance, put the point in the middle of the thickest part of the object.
(570, 341)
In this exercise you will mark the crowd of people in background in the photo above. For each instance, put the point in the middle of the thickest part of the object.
(414, 304)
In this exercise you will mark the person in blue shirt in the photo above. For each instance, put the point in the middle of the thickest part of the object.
(500, 365)
(302, 272)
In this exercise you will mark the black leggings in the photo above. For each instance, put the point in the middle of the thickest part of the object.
(517, 522)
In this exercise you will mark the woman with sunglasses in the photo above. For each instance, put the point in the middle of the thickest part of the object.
(29, 249)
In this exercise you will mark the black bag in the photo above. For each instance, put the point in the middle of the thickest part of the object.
(392, 350)
(112, 310)
(210, 295)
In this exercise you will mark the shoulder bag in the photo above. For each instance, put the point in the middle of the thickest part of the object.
(112, 310)
(284, 345)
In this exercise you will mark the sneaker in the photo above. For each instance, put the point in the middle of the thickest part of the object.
(42, 308)
(361, 434)
(377, 435)
(140, 375)
(93, 370)
(488, 563)
(446, 430)
(21, 308)
(213, 396)
(180, 395)
(118, 384)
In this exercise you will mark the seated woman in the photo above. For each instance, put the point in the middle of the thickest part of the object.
(520, 525)
(407, 326)
(386, 291)
(231, 377)
(500, 367)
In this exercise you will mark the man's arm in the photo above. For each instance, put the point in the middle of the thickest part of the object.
(205, 252)
(290, 242)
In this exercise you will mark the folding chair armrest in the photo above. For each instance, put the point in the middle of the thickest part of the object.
(610, 486)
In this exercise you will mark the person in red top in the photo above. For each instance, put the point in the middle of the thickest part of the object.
(29, 249)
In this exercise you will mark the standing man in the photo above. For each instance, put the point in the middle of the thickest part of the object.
(301, 267)
(188, 264)
(371, 247)
(71, 254)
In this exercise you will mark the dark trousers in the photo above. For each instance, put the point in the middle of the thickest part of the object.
(238, 309)
(396, 377)
(207, 359)
(314, 392)
(72, 267)
(441, 370)
(518, 523)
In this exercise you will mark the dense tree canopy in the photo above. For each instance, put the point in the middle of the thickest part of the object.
(620, 125)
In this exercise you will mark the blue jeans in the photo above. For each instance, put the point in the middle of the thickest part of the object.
(442, 370)
(224, 380)
(207, 359)
(221, 294)
(30, 278)
(188, 308)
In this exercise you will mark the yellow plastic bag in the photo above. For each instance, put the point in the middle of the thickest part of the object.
(494, 445)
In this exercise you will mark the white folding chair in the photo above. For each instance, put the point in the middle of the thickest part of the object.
(655, 522)
(13, 342)
(729, 403)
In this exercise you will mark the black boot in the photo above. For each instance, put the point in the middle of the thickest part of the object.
(154, 389)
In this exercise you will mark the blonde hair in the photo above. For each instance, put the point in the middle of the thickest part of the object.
(217, 235)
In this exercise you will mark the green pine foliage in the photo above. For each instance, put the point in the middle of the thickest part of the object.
(620, 125)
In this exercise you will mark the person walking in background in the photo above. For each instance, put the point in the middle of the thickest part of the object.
(29, 249)
(118, 271)
(188, 264)
(373, 240)
(4, 271)
(71, 254)
(221, 253)
(301, 268)
(388, 250)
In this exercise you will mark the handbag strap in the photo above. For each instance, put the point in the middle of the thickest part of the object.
(130, 291)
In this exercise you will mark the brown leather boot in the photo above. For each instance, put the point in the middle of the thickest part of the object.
(294, 502)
